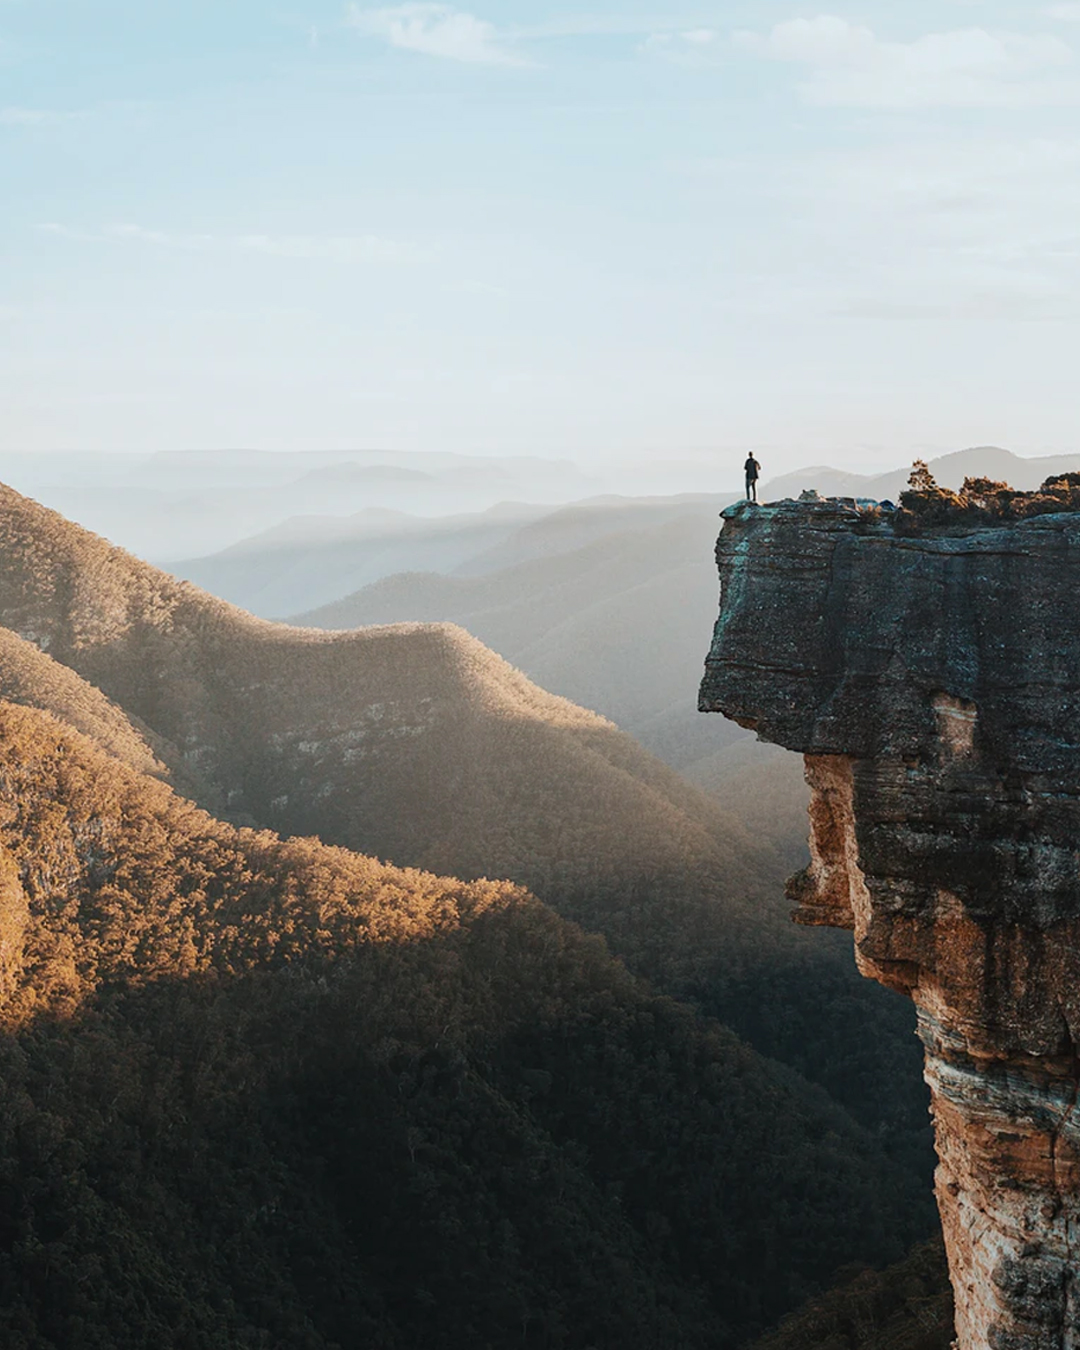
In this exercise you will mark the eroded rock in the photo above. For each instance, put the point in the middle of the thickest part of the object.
(933, 685)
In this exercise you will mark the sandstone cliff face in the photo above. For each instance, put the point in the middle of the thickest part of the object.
(933, 684)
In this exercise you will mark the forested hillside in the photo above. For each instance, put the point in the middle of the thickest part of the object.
(417, 744)
(260, 1092)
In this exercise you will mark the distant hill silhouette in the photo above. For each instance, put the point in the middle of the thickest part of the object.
(614, 622)
(585, 522)
(264, 1092)
(304, 560)
(184, 504)
(350, 474)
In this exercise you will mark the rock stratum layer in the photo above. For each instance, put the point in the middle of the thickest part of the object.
(933, 685)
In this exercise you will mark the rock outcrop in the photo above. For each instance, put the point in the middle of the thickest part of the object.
(933, 685)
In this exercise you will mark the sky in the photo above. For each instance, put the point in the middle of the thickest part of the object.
(598, 230)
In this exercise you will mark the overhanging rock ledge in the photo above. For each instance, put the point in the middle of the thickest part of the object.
(933, 684)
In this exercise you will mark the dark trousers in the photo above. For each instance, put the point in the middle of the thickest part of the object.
(751, 489)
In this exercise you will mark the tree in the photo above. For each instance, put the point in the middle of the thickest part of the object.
(920, 478)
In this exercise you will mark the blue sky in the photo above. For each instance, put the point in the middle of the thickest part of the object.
(606, 230)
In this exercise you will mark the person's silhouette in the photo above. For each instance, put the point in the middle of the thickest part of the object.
(752, 468)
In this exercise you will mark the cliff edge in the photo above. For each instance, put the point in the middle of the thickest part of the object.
(933, 685)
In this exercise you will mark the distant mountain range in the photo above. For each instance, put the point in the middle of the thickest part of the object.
(305, 560)
(193, 504)
(177, 505)
(604, 602)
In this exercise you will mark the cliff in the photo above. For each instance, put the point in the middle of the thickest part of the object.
(933, 685)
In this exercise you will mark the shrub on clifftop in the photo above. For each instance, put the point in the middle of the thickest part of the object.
(980, 501)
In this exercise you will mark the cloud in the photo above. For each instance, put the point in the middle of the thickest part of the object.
(595, 25)
(823, 41)
(436, 30)
(329, 248)
(849, 65)
(33, 117)
(65, 232)
(990, 306)
(687, 47)
(961, 226)
(962, 221)
(1068, 13)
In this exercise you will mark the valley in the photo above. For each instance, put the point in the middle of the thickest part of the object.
(539, 780)
(634, 948)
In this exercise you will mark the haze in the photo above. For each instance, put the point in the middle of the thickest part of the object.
(613, 233)
(391, 951)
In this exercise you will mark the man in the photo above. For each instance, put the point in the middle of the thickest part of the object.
(752, 468)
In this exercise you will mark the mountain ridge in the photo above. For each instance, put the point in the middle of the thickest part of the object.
(257, 709)
(415, 744)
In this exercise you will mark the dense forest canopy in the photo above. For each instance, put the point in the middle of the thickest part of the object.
(907, 1307)
(407, 1103)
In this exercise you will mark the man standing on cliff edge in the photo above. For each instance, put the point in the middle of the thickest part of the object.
(752, 469)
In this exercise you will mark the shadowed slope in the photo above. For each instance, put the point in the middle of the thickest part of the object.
(28, 676)
(907, 1307)
(260, 1092)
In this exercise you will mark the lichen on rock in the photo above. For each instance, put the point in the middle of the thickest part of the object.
(933, 683)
